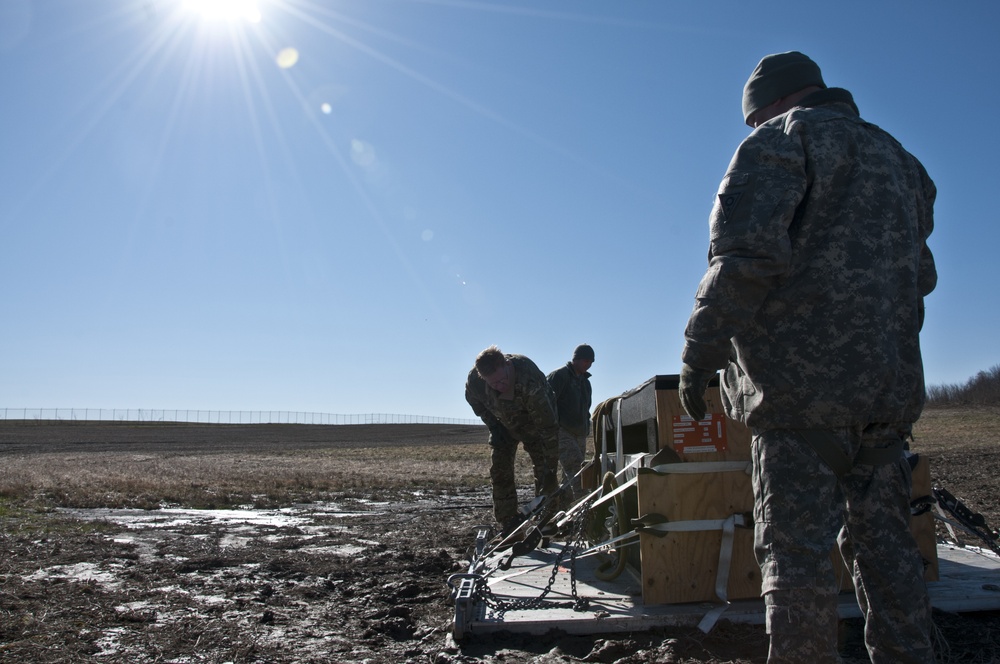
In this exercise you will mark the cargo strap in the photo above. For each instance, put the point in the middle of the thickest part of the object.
(698, 467)
(596, 496)
(825, 445)
(657, 525)
(612, 543)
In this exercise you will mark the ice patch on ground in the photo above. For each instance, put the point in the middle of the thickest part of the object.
(80, 573)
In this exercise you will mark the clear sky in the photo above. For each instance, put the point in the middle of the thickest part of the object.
(333, 206)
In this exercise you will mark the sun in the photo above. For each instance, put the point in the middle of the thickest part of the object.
(225, 10)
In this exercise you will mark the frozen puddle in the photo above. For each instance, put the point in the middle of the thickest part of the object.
(239, 528)
(313, 528)
(80, 572)
(170, 517)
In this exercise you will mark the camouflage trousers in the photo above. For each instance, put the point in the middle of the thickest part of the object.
(801, 510)
(572, 452)
(544, 461)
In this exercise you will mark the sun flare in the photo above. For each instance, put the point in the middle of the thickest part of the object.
(225, 10)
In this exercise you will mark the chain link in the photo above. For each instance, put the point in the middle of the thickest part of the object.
(574, 542)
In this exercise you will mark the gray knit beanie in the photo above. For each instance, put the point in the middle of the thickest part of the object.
(777, 76)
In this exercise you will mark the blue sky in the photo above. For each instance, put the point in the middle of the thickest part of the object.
(194, 216)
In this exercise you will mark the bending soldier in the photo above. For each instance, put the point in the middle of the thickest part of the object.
(512, 392)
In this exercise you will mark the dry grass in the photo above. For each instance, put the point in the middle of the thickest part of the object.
(271, 472)
(149, 480)
(941, 429)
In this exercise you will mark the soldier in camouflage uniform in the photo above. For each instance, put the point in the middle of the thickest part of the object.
(813, 304)
(503, 447)
(513, 392)
(571, 386)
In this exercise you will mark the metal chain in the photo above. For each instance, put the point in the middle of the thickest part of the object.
(573, 543)
(576, 542)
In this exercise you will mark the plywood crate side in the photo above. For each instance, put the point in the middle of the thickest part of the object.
(722, 439)
(680, 567)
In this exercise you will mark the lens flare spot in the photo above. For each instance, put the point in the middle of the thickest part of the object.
(287, 57)
(427, 235)
(362, 153)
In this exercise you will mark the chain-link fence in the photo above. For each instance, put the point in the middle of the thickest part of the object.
(219, 416)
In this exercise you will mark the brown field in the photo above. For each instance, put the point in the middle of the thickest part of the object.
(367, 522)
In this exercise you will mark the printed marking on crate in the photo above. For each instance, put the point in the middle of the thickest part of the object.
(694, 437)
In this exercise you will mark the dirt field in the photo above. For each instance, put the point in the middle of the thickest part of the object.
(319, 544)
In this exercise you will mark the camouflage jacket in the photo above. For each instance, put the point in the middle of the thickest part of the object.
(573, 395)
(531, 414)
(818, 266)
(475, 395)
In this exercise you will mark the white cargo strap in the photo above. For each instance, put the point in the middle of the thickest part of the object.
(608, 496)
(728, 527)
(701, 467)
(690, 526)
(596, 494)
(722, 578)
(630, 537)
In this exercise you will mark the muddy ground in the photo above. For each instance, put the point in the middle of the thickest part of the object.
(356, 578)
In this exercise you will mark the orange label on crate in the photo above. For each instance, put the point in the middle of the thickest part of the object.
(701, 436)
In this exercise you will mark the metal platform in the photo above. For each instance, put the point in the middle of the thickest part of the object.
(969, 581)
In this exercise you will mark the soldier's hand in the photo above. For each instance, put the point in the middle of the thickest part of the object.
(691, 390)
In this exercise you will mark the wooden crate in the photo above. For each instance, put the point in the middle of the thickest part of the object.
(683, 566)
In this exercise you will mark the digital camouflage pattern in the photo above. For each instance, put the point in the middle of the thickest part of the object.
(801, 511)
(813, 304)
(573, 395)
(475, 396)
(531, 413)
(529, 417)
(572, 452)
(818, 266)
(503, 450)
(503, 455)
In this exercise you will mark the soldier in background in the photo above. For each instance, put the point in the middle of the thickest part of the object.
(813, 304)
(571, 386)
(514, 393)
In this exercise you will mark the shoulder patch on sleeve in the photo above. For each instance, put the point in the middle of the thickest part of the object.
(728, 203)
(734, 186)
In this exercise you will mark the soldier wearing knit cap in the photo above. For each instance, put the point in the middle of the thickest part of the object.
(776, 77)
(812, 305)
(571, 385)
